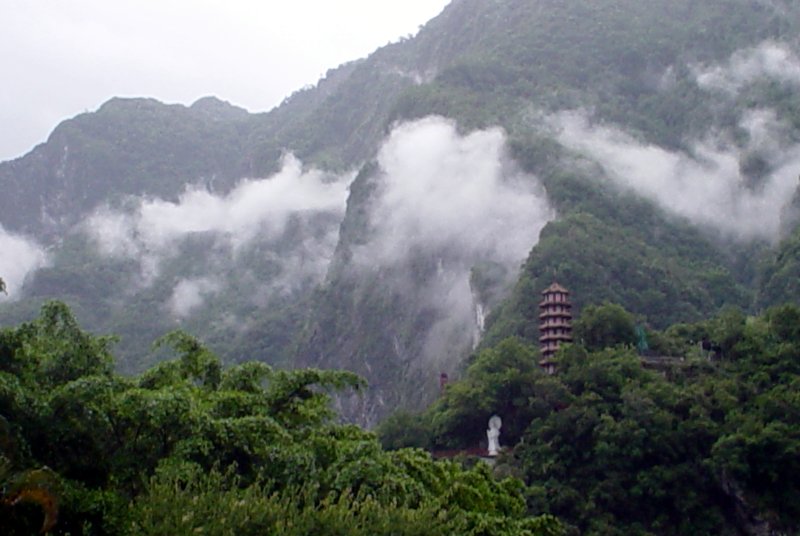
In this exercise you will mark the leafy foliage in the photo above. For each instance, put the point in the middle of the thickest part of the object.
(166, 452)
(19, 488)
(704, 442)
(780, 273)
(602, 326)
(193, 501)
(499, 380)
(666, 280)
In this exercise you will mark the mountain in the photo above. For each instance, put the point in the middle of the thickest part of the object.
(127, 147)
(635, 65)
(643, 152)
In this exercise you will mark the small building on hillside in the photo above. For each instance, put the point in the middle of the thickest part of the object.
(555, 324)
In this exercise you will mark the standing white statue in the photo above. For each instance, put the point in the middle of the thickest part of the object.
(493, 435)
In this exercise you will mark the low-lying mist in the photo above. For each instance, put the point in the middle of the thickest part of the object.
(450, 201)
(290, 220)
(708, 185)
(19, 256)
(189, 294)
(767, 61)
(738, 180)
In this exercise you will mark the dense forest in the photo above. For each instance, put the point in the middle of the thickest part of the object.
(691, 438)
(190, 447)
(698, 436)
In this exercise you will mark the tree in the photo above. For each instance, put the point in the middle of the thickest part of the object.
(403, 429)
(499, 381)
(165, 452)
(727, 330)
(606, 325)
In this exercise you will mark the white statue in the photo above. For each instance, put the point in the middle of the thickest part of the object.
(493, 435)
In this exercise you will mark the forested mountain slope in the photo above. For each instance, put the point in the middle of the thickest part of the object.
(640, 75)
(617, 443)
(643, 151)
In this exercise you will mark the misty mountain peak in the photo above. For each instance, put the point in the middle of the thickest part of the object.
(218, 110)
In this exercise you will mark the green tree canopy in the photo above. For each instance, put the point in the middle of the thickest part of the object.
(606, 325)
(190, 447)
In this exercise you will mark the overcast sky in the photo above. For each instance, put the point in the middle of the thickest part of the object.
(63, 57)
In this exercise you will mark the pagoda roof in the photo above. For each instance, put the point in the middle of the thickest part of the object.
(545, 303)
(555, 287)
(554, 314)
(565, 337)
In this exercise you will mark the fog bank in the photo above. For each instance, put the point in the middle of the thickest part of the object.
(769, 60)
(18, 257)
(292, 217)
(191, 293)
(442, 191)
(452, 201)
(707, 185)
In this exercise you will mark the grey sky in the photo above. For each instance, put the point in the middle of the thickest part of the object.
(64, 57)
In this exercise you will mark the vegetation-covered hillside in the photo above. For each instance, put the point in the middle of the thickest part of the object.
(191, 447)
(700, 442)
(703, 441)
(633, 65)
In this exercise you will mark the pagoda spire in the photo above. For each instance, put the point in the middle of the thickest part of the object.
(555, 324)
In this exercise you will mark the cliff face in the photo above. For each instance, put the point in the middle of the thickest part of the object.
(570, 134)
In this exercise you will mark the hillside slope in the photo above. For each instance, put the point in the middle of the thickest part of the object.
(634, 65)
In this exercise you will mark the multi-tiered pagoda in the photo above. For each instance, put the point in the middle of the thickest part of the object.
(555, 324)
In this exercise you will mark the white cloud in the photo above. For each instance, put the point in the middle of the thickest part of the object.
(456, 201)
(706, 186)
(18, 258)
(256, 210)
(254, 206)
(114, 233)
(768, 60)
(441, 191)
(189, 294)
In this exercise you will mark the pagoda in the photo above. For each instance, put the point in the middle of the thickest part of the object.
(555, 324)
